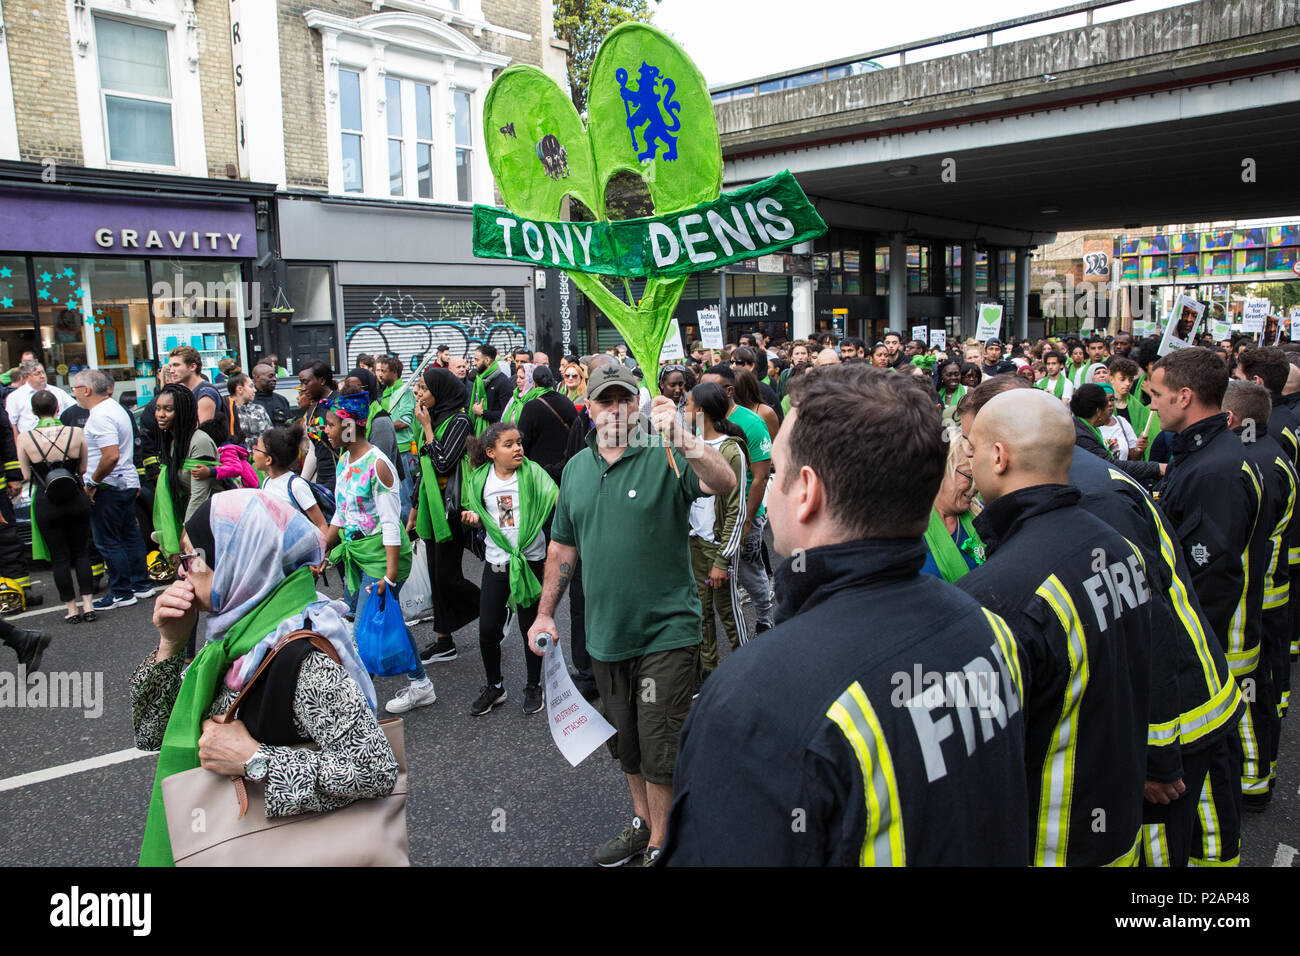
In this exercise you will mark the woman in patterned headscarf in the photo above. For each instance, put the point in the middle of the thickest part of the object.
(525, 392)
(246, 560)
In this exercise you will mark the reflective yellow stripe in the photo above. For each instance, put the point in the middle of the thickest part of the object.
(1241, 663)
(1057, 783)
(1237, 626)
(1197, 861)
(11, 465)
(1211, 715)
(1131, 857)
(1254, 776)
(1293, 556)
(1155, 845)
(1163, 734)
(1290, 437)
(1010, 652)
(4, 482)
(883, 843)
(1275, 591)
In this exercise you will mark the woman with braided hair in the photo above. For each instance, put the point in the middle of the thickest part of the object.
(185, 449)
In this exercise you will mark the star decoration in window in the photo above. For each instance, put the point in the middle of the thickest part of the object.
(6, 303)
(45, 277)
(6, 272)
(43, 293)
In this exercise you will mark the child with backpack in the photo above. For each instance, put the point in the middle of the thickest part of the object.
(511, 498)
(275, 453)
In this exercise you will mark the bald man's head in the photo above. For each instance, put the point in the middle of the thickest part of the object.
(1022, 437)
(827, 357)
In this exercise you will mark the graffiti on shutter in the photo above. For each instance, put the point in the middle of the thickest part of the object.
(411, 322)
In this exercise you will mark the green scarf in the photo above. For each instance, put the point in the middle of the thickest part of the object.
(958, 394)
(478, 393)
(369, 555)
(785, 405)
(431, 513)
(537, 494)
(180, 745)
(165, 521)
(516, 406)
(1144, 421)
(39, 550)
(1093, 428)
(375, 409)
(944, 549)
(1058, 389)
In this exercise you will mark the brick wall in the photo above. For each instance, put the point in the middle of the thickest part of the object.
(218, 82)
(45, 92)
(522, 15)
(302, 82)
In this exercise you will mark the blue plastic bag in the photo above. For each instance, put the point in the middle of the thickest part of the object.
(382, 641)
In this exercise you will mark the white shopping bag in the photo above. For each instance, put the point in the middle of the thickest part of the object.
(417, 595)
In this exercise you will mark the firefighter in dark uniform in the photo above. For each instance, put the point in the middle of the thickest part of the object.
(1083, 626)
(1194, 700)
(14, 580)
(1212, 495)
(880, 722)
(1249, 410)
(1270, 367)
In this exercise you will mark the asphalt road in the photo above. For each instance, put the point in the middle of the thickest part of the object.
(487, 790)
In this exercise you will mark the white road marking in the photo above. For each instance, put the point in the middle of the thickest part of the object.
(1285, 855)
(78, 766)
(62, 607)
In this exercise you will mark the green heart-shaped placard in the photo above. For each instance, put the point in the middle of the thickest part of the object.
(649, 113)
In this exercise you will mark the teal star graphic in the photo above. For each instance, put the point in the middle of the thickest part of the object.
(42, 293)
(69, 273)
(6, 303)
(46, 277)
(6, 272)
(71, 303)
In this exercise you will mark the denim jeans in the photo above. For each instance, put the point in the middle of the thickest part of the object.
(394, 594)
(117, 536)
(410, 463)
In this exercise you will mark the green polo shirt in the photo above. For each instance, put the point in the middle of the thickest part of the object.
(760, 445)
(630, 522)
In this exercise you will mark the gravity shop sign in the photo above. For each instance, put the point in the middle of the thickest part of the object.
(762, 218)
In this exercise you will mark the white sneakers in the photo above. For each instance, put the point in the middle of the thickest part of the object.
(415, 695)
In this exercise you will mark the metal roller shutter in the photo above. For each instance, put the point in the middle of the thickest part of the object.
(410, 321)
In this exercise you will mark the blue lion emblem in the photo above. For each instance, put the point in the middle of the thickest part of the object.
(643, 109)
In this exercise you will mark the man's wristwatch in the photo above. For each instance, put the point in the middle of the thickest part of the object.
(256, 766)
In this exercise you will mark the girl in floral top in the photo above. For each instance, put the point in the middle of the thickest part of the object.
(366, 536)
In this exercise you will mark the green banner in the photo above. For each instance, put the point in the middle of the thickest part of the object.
(749, 222)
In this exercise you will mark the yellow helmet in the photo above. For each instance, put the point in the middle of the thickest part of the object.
(160, 569)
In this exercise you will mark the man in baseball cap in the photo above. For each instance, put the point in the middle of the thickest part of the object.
(994, 363)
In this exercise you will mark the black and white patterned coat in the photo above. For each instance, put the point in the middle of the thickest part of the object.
(354, 761)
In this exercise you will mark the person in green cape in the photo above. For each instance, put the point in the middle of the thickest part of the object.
(511, 498)
(490, 391)
(60, 514)
(954, 545)
(1124, 376)
(444, 426)
(246, 561)
(366, 538)
(525, 391)
(185, 447)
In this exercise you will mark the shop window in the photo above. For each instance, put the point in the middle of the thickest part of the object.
(17, 321)
(135, 88)
(94, 313)
(309, 293)
(200, 304)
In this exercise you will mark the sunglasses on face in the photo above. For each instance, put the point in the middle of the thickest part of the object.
(185, 560)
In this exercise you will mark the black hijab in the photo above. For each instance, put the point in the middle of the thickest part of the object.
(449, 394)
(199, 528)
(367, 378)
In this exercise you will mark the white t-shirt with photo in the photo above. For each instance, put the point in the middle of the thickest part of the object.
(1119, 437)
(501, 498)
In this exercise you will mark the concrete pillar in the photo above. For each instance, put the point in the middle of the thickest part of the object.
(968, 297)
(1022, 293)
(801, 299)
(898, 283)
